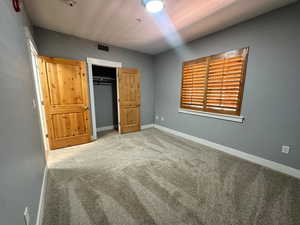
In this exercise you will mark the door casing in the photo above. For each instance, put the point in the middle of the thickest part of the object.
(90, 63)
(33, 54)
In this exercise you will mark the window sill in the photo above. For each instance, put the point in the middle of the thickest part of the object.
(238, 119)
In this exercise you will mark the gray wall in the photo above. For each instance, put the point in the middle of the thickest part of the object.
(21, 155)
(64, 46)
(104, 105)
(271, 99)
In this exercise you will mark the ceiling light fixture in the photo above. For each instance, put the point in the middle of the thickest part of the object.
(153, 6)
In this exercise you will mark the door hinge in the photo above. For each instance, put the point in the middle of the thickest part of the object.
(46, 135)
(42, 102)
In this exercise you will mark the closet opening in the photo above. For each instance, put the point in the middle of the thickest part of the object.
(106, 100)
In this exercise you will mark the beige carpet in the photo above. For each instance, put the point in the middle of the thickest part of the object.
(151, 177)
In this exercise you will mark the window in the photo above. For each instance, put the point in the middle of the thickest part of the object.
(215, 83)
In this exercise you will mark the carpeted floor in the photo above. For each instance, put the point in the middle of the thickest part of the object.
(151, 177)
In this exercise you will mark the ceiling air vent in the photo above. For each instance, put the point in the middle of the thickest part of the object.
(103, 47)
(70, 3)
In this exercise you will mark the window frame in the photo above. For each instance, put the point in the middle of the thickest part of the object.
(244, 52)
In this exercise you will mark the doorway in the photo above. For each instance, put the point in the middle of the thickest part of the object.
(106, 100)
(92, 62)
(128, 95)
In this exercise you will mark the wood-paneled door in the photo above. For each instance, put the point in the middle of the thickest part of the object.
(129, 100)
(65, 91)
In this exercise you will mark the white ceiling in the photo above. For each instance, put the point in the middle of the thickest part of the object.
(114, 22)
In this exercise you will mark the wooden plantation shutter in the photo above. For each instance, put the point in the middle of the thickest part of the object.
(194, 84)
(215, 83)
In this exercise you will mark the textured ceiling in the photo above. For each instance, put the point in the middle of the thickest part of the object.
(125, 23)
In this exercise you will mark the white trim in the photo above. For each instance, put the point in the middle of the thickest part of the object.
(239, 119)
(28, 36)
(147, 126)
(251, 158)
(33, 54)
(99, 62)
(105, 128)
(40, 213)
(92, 102)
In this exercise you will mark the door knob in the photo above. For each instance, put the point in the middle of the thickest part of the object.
(86, 108)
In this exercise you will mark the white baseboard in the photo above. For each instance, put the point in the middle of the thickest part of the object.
(255, 159)
(147, 126)
(105, 128)
(40, 213)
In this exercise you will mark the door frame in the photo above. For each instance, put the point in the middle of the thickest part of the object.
(37, 102)
(90, 63)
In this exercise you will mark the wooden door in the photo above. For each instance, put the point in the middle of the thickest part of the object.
(65, 91)
(129, 100)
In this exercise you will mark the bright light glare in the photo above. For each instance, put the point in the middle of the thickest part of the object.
(154, 6)
(171, 35)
